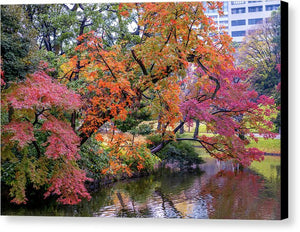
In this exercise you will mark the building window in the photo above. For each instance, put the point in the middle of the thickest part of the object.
(213, 16)
(237, 2)
(238, 33)
(255, 21)
(272, 7)
(238, 10)
(255, 8)
(238, 22)
(223, 22)
(254, 1)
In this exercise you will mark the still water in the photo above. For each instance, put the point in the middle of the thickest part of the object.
(216, 191)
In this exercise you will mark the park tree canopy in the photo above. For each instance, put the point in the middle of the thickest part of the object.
(174, 62)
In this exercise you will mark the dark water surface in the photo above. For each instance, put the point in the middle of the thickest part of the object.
(217, 191)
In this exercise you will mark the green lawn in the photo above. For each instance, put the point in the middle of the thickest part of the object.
(188, 130)
(267, 145)
(269, 167)
(191, 134)
(202, 153)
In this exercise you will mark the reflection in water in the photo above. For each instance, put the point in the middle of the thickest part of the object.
(217, 191)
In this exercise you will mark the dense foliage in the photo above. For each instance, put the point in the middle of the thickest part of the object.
(18, 48)
(108, 71)
(260, 52)
(182, 152)
(40, 146)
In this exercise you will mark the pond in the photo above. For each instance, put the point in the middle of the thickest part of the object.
(216, 191)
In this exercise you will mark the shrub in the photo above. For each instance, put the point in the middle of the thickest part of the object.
(155, 139)
(94, 162)
(183, 152)
(149, 161)
(144, 129)
(91, 160)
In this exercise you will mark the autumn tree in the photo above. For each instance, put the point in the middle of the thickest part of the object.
(231, 115)
(117, 74)
(59, 25)
(172, 37)
(40, 148)
(38, 160)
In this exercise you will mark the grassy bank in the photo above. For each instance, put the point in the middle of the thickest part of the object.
(269, 167)
(265, 145)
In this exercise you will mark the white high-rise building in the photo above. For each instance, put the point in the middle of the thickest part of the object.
(242, 17)
(246, 16)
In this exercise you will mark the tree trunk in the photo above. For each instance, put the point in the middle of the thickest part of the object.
(73, 120)
(163, 143)
(196, 132)
(181, 129)
(158, 123)
(10, 112)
